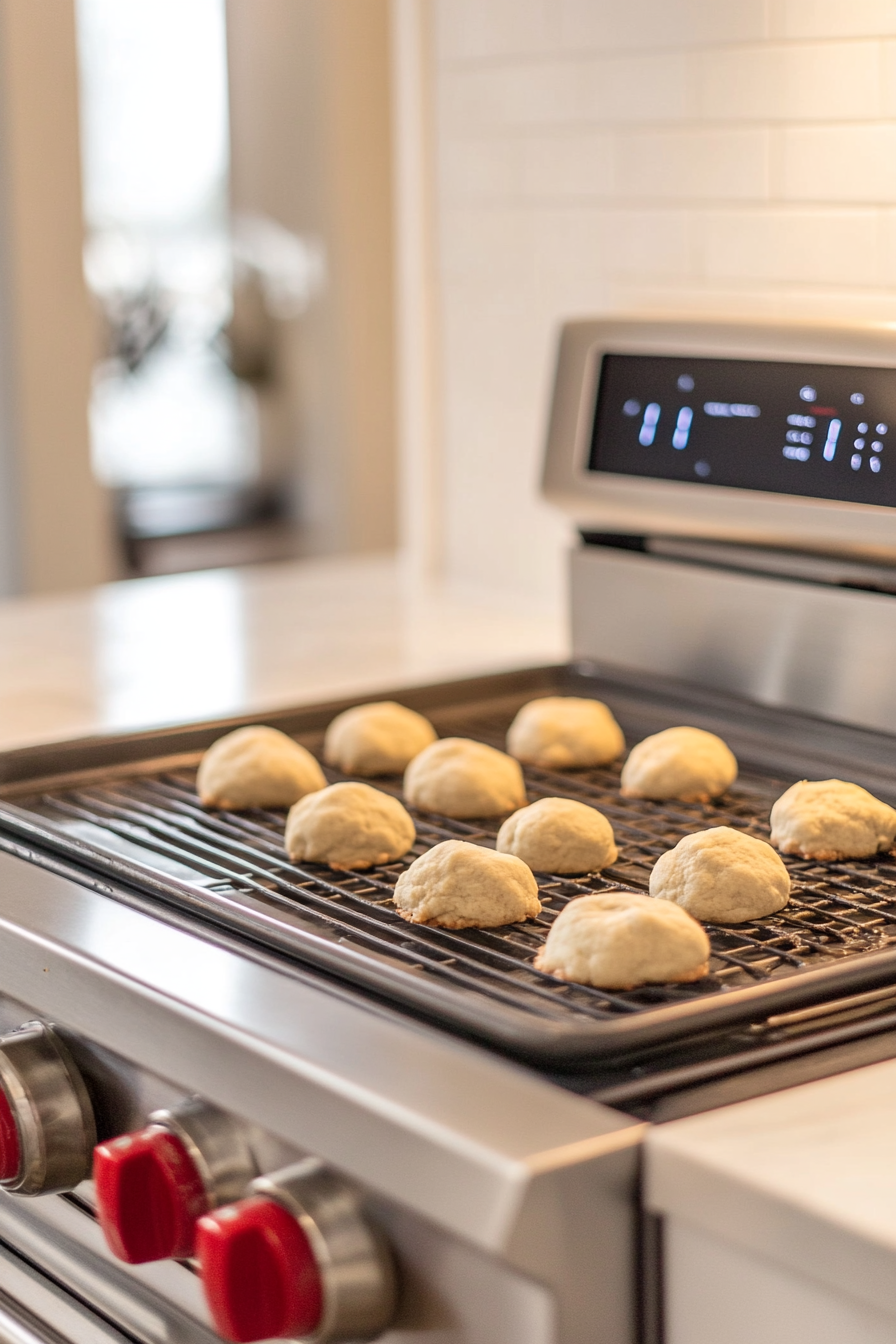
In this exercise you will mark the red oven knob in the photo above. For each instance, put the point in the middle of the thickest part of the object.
(149, 1195)
(47, 1128)
(296, 1258)
(152, 1185)
(259, 1272)
(10, 1147)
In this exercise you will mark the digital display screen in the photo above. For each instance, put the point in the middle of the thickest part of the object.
(822, 430)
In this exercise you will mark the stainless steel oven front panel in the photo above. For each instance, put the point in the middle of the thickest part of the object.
(446, 1285)
(615, 503)
(459, 1149)
(819, 649)
(34, 1309)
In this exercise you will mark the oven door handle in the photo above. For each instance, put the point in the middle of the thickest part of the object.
(19, 1326)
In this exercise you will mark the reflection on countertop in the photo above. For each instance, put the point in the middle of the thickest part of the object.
(168, 650)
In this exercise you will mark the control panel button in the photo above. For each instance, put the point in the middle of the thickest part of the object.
(149, 1195)
(297, 1257)
(47, 1127)
(152, 1185)
(259, 1272)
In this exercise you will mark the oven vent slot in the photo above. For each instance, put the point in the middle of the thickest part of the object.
(831, 571)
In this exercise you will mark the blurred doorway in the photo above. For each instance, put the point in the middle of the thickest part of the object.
(173, 431)
(242, 403)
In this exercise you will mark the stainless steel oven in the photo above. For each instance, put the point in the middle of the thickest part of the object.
(296, 1114)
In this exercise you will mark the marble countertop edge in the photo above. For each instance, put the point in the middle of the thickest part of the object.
(749, 1213)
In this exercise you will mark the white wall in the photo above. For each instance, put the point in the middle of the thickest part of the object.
(734, 156)
(310, 147)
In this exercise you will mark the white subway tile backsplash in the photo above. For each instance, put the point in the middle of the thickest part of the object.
(642, 25)
(839, 163)
(500, 252)
(653, 87)
(569, 259)
(811, 303)
(488, 246)
(833, 18)
(498, 361)
(574, 165)
(827, 81)
(792, 245)
(483, 169)
(888, 78)
(888, 252)
(530, 95)
(648, 242)
(470, 30)
(697, 156)
(522, 96)
(718, 164)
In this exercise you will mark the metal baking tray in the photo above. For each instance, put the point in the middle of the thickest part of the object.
(124, 812)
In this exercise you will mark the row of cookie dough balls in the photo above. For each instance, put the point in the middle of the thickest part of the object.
(457, 777)
(619, 940)
(261, 767)
(614, 939)
(352, 825)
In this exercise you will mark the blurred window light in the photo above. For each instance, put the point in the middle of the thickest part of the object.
(154, 111)
(166, 409)
(183, 420)
(291, 270)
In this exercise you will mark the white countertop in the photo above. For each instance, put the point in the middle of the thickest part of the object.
(804, 1177)
(197, 646)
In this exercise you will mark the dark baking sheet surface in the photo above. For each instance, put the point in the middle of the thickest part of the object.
(126, 808)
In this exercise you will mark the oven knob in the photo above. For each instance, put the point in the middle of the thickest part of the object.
(47, 1128)
(296, 1258)
(152, 1185)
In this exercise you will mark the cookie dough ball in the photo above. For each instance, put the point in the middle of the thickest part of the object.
(256, 767)
(829, 819)
(378, 739)
(563, 732)
(457, 885)
(461, 778)
(557, 835)
(684, 763)
(621, 939)
(348, 826)
(723, 876)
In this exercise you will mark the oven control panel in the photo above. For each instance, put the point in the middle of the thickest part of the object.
(790, 428)
(280, 1252)
(766, 434)
(283, 1254)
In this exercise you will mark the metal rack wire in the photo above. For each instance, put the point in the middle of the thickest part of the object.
(837, 911)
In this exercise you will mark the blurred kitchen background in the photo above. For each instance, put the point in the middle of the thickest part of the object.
(282, 278)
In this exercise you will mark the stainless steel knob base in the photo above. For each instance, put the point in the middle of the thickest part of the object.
(217, 1144)
(52, 1111)
(355, 1262)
